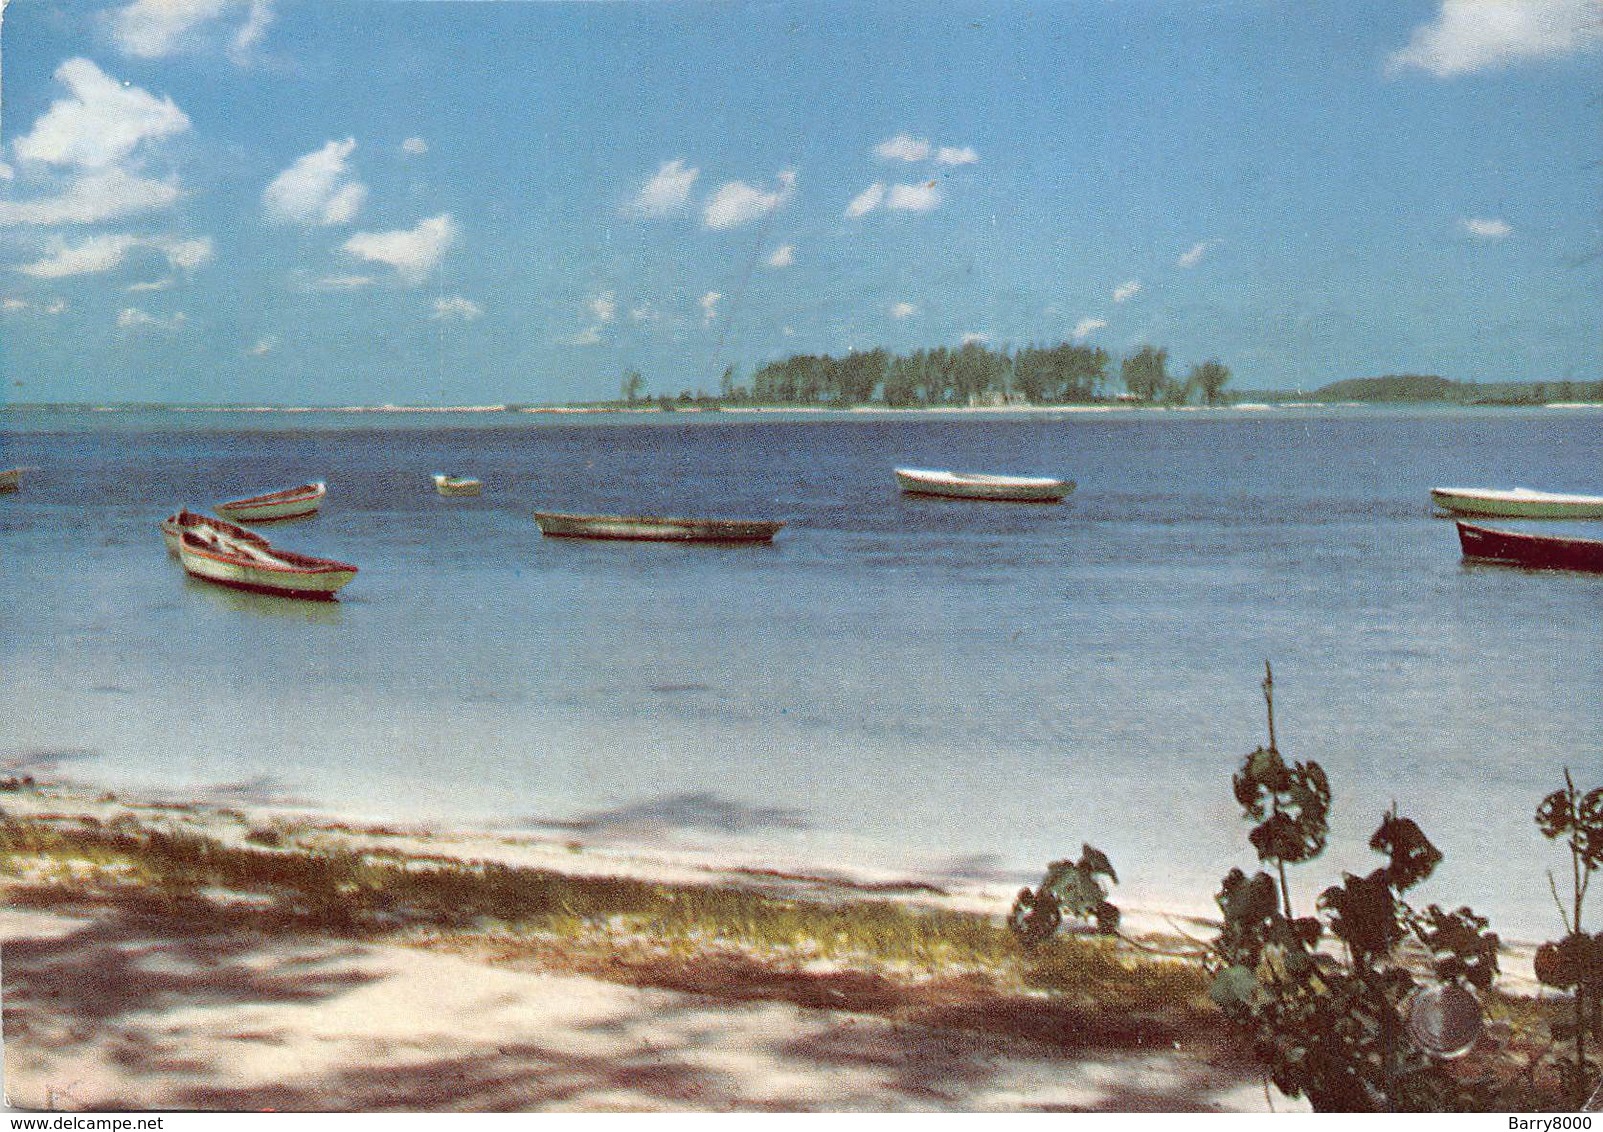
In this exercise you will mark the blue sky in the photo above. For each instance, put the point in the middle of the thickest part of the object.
(328, 202)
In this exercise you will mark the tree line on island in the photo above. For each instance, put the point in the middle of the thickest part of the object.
(970, 375)
(1066, 374)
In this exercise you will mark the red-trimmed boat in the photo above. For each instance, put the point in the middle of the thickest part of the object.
(291, 503)
(1532, 551)
(259, 567)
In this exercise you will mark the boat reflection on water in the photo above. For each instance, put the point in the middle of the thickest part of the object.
(264, 605)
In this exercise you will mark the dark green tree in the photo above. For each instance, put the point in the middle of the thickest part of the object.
(1210, 378)
(1146, 373)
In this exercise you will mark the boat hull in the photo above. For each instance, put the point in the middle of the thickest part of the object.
(1516, 504)
(294, 503)
(446, 485)
(655, 528)
(262, 570)
(1531, 551)
(973, 485)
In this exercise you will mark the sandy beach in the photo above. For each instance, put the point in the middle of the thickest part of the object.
(122, 994)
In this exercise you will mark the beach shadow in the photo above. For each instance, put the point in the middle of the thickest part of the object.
(99, 985)
(700, 809)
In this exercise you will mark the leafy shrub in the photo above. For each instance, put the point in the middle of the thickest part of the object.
(1069, 887)
(1358, 1033)
(1575, 963)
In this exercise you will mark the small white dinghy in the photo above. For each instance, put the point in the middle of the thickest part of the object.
(291, 503)
(1516, 503)
(453, 485)
(978, 485)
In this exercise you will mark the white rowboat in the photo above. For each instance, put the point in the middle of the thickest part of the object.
(291, 503)
(451, 485)
(977, 485)
(260, 568)
(655, 528)
(1516, 503)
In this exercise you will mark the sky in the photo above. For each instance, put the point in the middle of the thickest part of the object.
(331, 202)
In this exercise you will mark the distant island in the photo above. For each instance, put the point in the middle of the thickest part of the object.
(1422, 388)
(976, 376)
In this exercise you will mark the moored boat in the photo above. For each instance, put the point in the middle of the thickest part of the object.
(260, 568)
(1533, 551)
(173, 527)
(1516, 503)
(655, 528)
(11, 479)
(291, 503)
(453, 485)
(979, 485)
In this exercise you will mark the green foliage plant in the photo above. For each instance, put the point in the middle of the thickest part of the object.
(1575, 963)
(1351, 1028)
(1072, 887)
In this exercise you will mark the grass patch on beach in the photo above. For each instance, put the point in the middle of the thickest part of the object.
(606, 920)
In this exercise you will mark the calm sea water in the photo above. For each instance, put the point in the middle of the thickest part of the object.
(951, 689)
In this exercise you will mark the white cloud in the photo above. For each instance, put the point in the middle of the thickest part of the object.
(1126, 291)
(666, 192)
(1477, 35)
(783, 256)
(10, 305)
(866, 201)
(93, 198)
(55, 306)
(100, 124)
(738, 203)
(99, 254)
(903, 147)
(1486, 229)
(1087, 327)
(956, 155)
(414, 147)
(709, 307)
(903, 310)
(590, 336)
(186, 255)
(1193, 256)
(263, 347)
(151, 285)
(645, 312)
(913, 198)
(6, 172)
(975, 338)
(157, 29)
(92, 256)
(251, 32)
(413, 252)
(154, 29)
(457, 307)
(132, 318)
(344, 282)
(604, 307)
(317, 188)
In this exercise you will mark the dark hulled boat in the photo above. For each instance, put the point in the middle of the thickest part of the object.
(1533, 551)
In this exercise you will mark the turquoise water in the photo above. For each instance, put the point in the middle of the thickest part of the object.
(957, 691)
